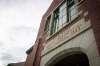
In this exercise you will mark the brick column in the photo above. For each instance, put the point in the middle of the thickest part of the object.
(94, 15)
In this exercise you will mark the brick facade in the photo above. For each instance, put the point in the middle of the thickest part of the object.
(93, 8)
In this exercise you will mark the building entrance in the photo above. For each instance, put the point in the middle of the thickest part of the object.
(78, 59)
(73, 60)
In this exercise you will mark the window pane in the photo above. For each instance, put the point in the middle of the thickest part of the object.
(63, 6)
(60, 21)
(55, 22)
(64, 19)
(59, 18)
(73, 11)
(64, 12)
(71, 3)
(47, 25)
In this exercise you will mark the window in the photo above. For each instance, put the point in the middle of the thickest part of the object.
(62, 15)
(54, 25)
(59, 18)
(47, 25)
(71, 9)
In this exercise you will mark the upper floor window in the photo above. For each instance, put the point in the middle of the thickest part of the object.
(59, 18)
(54, 24)
(72, 10)
(47, 25)
(61, 15)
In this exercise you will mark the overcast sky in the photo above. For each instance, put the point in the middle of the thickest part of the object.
(19, 23)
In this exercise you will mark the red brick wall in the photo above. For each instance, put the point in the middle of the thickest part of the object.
(94, 14)
(31, 56)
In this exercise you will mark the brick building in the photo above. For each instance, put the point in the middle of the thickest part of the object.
(69, 34)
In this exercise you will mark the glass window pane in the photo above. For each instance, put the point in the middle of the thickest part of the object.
(60, 21)
(59, 17)
(47, 25)
(64, 12)
(64, 19)
(73, 10)
(63, 6)
(71, 2)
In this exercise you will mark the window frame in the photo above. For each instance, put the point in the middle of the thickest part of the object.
(47, 24)
(56, 26)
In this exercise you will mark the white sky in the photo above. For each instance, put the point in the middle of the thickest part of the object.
(19, 23)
